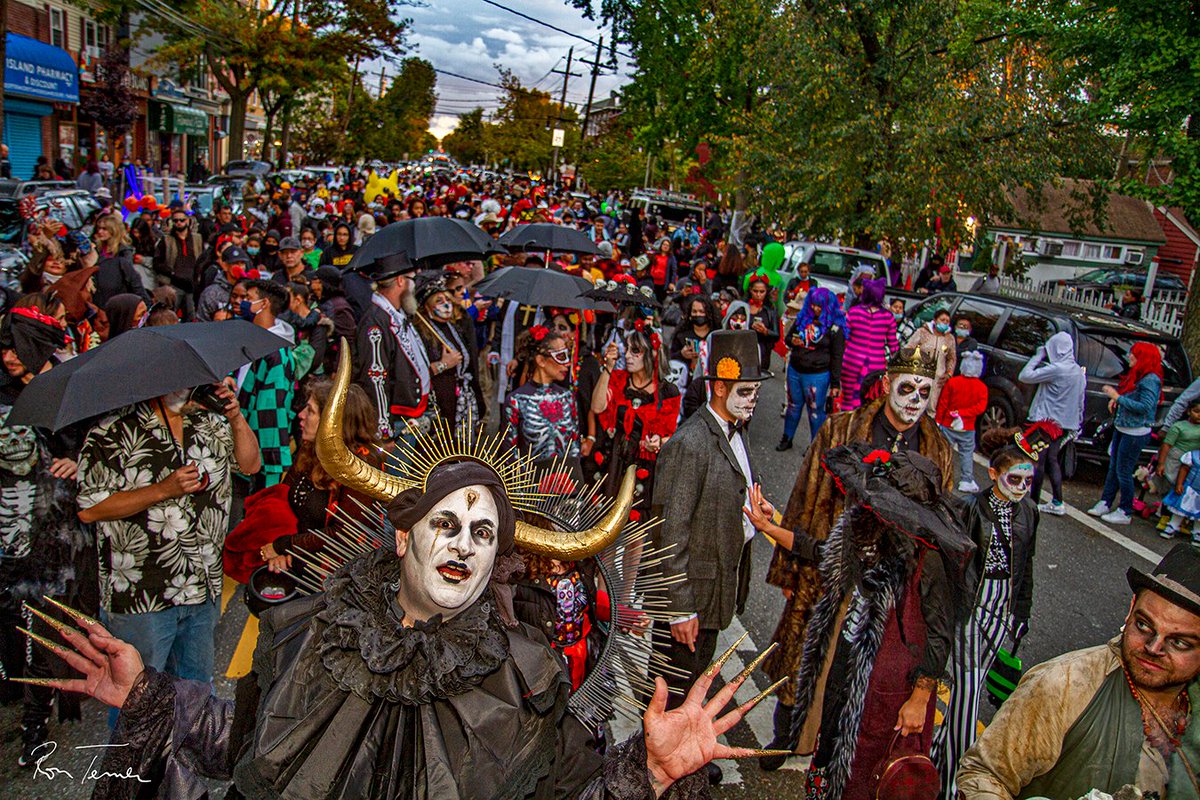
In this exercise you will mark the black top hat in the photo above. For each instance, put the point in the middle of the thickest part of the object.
(733, 356)
(389, 266)
(1176, 578)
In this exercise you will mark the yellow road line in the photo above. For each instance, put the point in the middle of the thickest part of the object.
(243, 656)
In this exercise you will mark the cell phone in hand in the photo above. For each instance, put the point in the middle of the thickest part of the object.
(206, 396)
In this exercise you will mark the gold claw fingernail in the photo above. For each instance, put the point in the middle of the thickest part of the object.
(78, 615)
(58, 625)
(761, 753)
(764, 694)
(44, 642)
(754, 664)
(37, 681)
(717, 665)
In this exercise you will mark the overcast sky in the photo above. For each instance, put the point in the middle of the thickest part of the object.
(471, 37)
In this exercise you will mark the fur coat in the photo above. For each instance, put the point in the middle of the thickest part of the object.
(814, 506)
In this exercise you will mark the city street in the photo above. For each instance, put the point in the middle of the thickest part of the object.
(1080, 596)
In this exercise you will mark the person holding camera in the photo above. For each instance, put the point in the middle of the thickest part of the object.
(155, 479)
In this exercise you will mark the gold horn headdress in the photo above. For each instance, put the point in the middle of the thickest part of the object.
(516, 472)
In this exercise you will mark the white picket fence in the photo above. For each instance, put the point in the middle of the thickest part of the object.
(1163, 310)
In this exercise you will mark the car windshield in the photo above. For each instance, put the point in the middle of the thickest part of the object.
(11, 224)
(1108, 356)
(8, 188)
(1094, 276)
(840, 265)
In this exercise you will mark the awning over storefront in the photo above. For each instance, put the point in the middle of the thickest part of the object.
(174, 118)
(39, 70)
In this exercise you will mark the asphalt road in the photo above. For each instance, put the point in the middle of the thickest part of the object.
(1080, 597)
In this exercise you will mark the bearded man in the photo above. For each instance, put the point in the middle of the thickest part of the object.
(895, 423)
(1110, 716)
(402, 679)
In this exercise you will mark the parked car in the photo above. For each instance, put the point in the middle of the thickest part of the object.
(18, 189)
(1112, 278)
(1010, 331)
(830, 264)
(204, 196)
(75, 208)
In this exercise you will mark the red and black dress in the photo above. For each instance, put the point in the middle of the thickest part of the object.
(632, 414)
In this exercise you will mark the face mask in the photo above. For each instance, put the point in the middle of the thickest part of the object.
(699, 321)
(899, 315)
(246, 310)
(442, 310)
(252, 250)
(909, 397)
(743, 397)
(962, 333)
(49, 278)
(1015, 482)
(307, 245)
(175, 401)
(450, 554)
(941, 327)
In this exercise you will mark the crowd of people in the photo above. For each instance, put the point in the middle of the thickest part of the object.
(899, 571)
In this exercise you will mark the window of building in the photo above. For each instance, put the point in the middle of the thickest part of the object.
(1091, 251)
(1112, 252)
(1070, 249)
(58, 29)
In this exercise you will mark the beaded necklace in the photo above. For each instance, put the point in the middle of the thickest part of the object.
(1172, 741)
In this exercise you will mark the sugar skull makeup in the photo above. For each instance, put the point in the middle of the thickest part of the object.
(743, 397)
(1015, 481)
(909, 396)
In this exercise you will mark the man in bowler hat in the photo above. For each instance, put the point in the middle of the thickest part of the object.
(704, 474)
(1110, 716)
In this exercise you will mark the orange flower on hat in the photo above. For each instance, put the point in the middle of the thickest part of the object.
(729, 369)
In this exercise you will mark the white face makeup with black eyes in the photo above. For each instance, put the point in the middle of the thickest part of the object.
(743, 397)
(909, 396)
(1015, 482)
(447, 557)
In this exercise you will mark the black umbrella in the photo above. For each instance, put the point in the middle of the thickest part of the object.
(428, 242)
(548, 236)
(138, 365)
(538, 286)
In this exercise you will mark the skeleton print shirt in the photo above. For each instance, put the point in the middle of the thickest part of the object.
(170, 553)
(543, 421)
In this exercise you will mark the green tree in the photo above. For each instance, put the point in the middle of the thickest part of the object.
(613, 159)
(522, 127)
(468, 143)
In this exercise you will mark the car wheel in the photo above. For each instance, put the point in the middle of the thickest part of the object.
(998, 414)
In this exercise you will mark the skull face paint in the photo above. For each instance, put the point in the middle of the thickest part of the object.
(742, 398)
(447, 557)
(1015, 481)
(908, 396)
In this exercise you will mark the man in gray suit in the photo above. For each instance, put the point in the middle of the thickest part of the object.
(703, 476)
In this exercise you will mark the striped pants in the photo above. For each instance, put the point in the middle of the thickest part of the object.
(972, 656)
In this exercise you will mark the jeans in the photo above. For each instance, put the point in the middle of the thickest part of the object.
(1125, 452)
(811, 389)
(964, 443)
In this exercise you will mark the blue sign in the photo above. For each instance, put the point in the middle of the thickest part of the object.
(39, 70)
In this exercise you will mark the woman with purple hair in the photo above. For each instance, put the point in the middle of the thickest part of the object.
(816, 340)
(872, 337)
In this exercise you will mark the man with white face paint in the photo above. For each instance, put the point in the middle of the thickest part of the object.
(895, 423)
(704, 473)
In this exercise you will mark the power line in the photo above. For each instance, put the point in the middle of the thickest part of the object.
(592, 42)
(521, 90)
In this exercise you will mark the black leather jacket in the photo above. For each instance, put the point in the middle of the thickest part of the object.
(980, 526)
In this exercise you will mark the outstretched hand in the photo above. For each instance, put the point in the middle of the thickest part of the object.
(684, 739)
(110, 667)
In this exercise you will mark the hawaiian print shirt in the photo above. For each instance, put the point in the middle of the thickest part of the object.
(543, 421)
(169, 554)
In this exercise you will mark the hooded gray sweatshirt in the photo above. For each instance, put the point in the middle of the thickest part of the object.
(1060, 383)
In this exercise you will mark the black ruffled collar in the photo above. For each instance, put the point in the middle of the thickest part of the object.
(367, 651)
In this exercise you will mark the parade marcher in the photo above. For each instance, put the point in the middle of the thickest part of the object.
(762, 318)
(937, 340)
(115, 274)
(343, 248)
(816, 341)
(453, 357)
(704, 473)
(1110, 716)
(893, 580)
(894, 423)
(700, 319)
(637, 410)
(871, 339)
(390, 361)
(541, 415)
(314, 331)
(1182, 438)
(964, 398)
(266, 386)
(1135, 404)
(1002, 521)
(350, 681)
(964, 342)
(125, 312)
(1060, 395)
(291, 262)
(233, 262)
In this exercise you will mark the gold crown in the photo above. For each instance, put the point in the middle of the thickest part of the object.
(913, 361)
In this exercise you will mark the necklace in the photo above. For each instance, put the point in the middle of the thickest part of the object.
(1172, 738)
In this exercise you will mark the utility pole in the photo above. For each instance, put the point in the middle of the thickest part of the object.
(595, 64)
(382, 81)
(562, 103)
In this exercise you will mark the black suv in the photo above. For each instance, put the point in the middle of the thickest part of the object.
(1009, 331)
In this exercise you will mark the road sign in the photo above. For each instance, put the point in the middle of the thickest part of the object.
(559, 137)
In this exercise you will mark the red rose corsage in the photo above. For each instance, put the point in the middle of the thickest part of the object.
(877, 457)
(539, 332)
